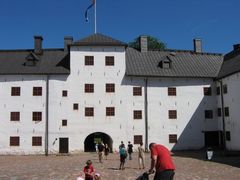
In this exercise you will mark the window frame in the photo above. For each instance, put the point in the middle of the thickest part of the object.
(110, 88)
(14, 141)
(16, 91)
(172, 91)
(207, 91)
(137, 91)
(89, 111)
(89, 61)
(172, 138)
(36, 140)
(109, 60)
(110, 111)
(37, 91)
(137, 139)
(36, 116)
(89, 88)
(172, 114)
(15, 116)
(137, 114)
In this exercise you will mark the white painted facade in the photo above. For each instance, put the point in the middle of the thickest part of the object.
(232, 101)
(190, 103)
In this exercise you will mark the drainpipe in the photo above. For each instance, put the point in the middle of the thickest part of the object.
(223, 116)
(146, 113)
(46, 127)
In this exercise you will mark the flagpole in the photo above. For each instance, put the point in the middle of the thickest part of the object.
(95, 21)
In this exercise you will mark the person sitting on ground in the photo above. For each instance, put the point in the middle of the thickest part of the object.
(89, 170)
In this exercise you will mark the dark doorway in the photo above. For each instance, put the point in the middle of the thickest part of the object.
(213, 139)
(92, 139)
(63, 145)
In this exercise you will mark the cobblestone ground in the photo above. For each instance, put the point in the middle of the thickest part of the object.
(190, 165)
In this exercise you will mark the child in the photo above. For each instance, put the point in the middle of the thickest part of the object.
(89, 170)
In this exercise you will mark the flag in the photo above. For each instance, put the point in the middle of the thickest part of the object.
(89, 7)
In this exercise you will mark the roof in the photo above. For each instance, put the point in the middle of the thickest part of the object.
(98, 40)
(183, 63)
(52, 61)
(230, 65)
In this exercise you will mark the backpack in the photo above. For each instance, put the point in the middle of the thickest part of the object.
(122, 151)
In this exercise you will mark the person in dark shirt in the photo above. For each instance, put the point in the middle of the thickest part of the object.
(130, 150)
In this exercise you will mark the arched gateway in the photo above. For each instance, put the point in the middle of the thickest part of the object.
(92, 139)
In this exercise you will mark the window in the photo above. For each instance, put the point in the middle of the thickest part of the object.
(226, 111)
(209, 114)
(137, 91)
(225, 89)
(218, 90)
(109, 61)
(172, 114)
(89, 88)
(15, 116)
(228, 136)
(37, 141)
(37, 116)
(14, 141)
(172, 91)
(89, 60)
(64, 93)
(110, 88)
(137, 114)
(89, 111)
(110, 111)
(207, 91)
(137, 139)
(75, 106)
(37, 91)
(172, 138)
(219, 112)
(16, 91)
(64, 122)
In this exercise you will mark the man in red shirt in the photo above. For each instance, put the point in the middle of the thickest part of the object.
(162, 161)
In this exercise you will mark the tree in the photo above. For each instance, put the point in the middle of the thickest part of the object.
(153, 44)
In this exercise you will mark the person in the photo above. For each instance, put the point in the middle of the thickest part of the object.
(89, 170)
(130, 150)
(122, 144)
(100, 151)
(141, 156)
(106, 150)
(96, 147)
(161, 160)
(123, 156)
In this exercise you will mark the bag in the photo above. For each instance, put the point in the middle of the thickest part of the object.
(122, 152)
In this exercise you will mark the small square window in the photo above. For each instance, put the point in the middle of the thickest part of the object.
(172, 91)
(89, 88)
(218, 90)
(14, 141)
(208, 114)
(110, 111)
(137, 91)
(207, 91)
(137, 139)
(37, 141)
(64, 93)
(16, 91)
(110, 88)
(225, 89)
(137, 114)
(37, 116)
(172, 114)
(89, 60)
(64, 122)
(75, 106)
(172, 138)
(37, 91)
(89, 111)
(219, 112)
(109, 61)
(228, 136)
(226, 111)
(15, 116)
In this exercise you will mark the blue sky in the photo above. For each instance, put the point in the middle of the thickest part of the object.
(175, 22)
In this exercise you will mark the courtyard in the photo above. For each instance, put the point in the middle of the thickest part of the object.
(189, 165)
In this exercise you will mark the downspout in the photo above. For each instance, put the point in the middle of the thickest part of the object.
(223, 116)
(146, 113)
(46, 116)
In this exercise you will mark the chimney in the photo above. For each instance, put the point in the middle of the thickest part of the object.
(197, 45)
(236, 47)
(143, 43)
(67, 41)
(38, 45)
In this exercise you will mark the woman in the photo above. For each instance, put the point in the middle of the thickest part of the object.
(106, 150)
